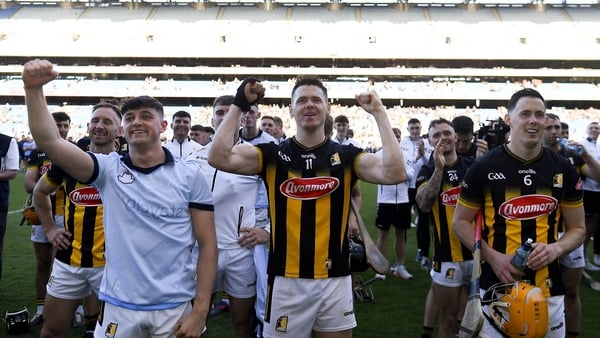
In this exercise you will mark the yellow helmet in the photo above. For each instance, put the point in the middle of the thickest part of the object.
(517, 309)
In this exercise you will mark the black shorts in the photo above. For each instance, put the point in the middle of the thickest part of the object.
(591, 201)
(389, 214)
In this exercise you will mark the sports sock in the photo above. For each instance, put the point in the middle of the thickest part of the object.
(90, 322)
(427, 332)
(39, 302)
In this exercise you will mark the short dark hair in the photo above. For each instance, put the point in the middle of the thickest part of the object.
(441, 120)
(525, 92)
(552, 116)
(108, 105)
(182, 113)
(143, 101)
(341, 119)
(278, 120)
(309, 81)
(328, 126)
(223, 100)
(61, 116)
(413, 121)
(197, 127)
(563, 125)
(264, 117)
(463, 124)
(209, 130)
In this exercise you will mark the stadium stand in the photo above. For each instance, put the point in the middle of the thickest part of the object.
(426, 59)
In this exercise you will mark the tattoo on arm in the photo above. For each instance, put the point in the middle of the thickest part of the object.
(427, 195)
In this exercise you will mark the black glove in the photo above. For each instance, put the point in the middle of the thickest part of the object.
(240, 97)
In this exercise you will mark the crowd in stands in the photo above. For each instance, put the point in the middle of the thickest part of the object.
(13, 118)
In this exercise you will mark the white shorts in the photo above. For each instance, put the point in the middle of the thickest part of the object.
(70, 282)
(298, 306)
(556, 320)
(236, 274)
(37, 231)
(119, 322)
(452, 274)
(261, 257)
(575, 259)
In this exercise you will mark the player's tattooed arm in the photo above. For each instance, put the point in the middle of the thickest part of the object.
(427, 194)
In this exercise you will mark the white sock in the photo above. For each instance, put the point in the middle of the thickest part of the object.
(79, 309)
(39, 309)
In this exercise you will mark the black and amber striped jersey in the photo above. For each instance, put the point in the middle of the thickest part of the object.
(447, 246)
(577, 162)
(521, 200)
(83, 219)
(40, 162)
(309, 192)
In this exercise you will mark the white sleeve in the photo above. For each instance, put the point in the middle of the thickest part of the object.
(11, 159)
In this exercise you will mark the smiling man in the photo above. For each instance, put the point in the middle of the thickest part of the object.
(150, 228)
(181, 146)
(509, 180)
(309, 179)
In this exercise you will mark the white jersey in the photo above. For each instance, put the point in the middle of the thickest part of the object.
(396, 193)
(234, 198)
(148, 230)
(181, 150)
(262, 201)
(410, 150)
(10, 161)
(347, 141)
(592, 148)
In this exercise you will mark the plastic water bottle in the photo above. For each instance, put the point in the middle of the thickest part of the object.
(572, 148)
(519, 260)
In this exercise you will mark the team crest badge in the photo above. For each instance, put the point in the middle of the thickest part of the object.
(450, 273)
(111, 330)
(335, 159)
(126, 177)
(282, 323)
(557, 181)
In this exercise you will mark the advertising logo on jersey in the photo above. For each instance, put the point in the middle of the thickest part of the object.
(450, 196)
(528, 207)
(45, 168)
(309, 188)
(85, 197)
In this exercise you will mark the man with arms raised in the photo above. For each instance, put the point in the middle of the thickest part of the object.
(309, 180)
(150, 227)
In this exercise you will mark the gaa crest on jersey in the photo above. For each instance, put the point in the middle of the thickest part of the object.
(85, 197)
(111, 330)
(282, 324)
(309, 188)
(450, 196)
(528, 207)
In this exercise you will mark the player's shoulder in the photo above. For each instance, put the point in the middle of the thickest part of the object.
(556, 157)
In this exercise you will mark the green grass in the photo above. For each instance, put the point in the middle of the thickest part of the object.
(396, 312)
